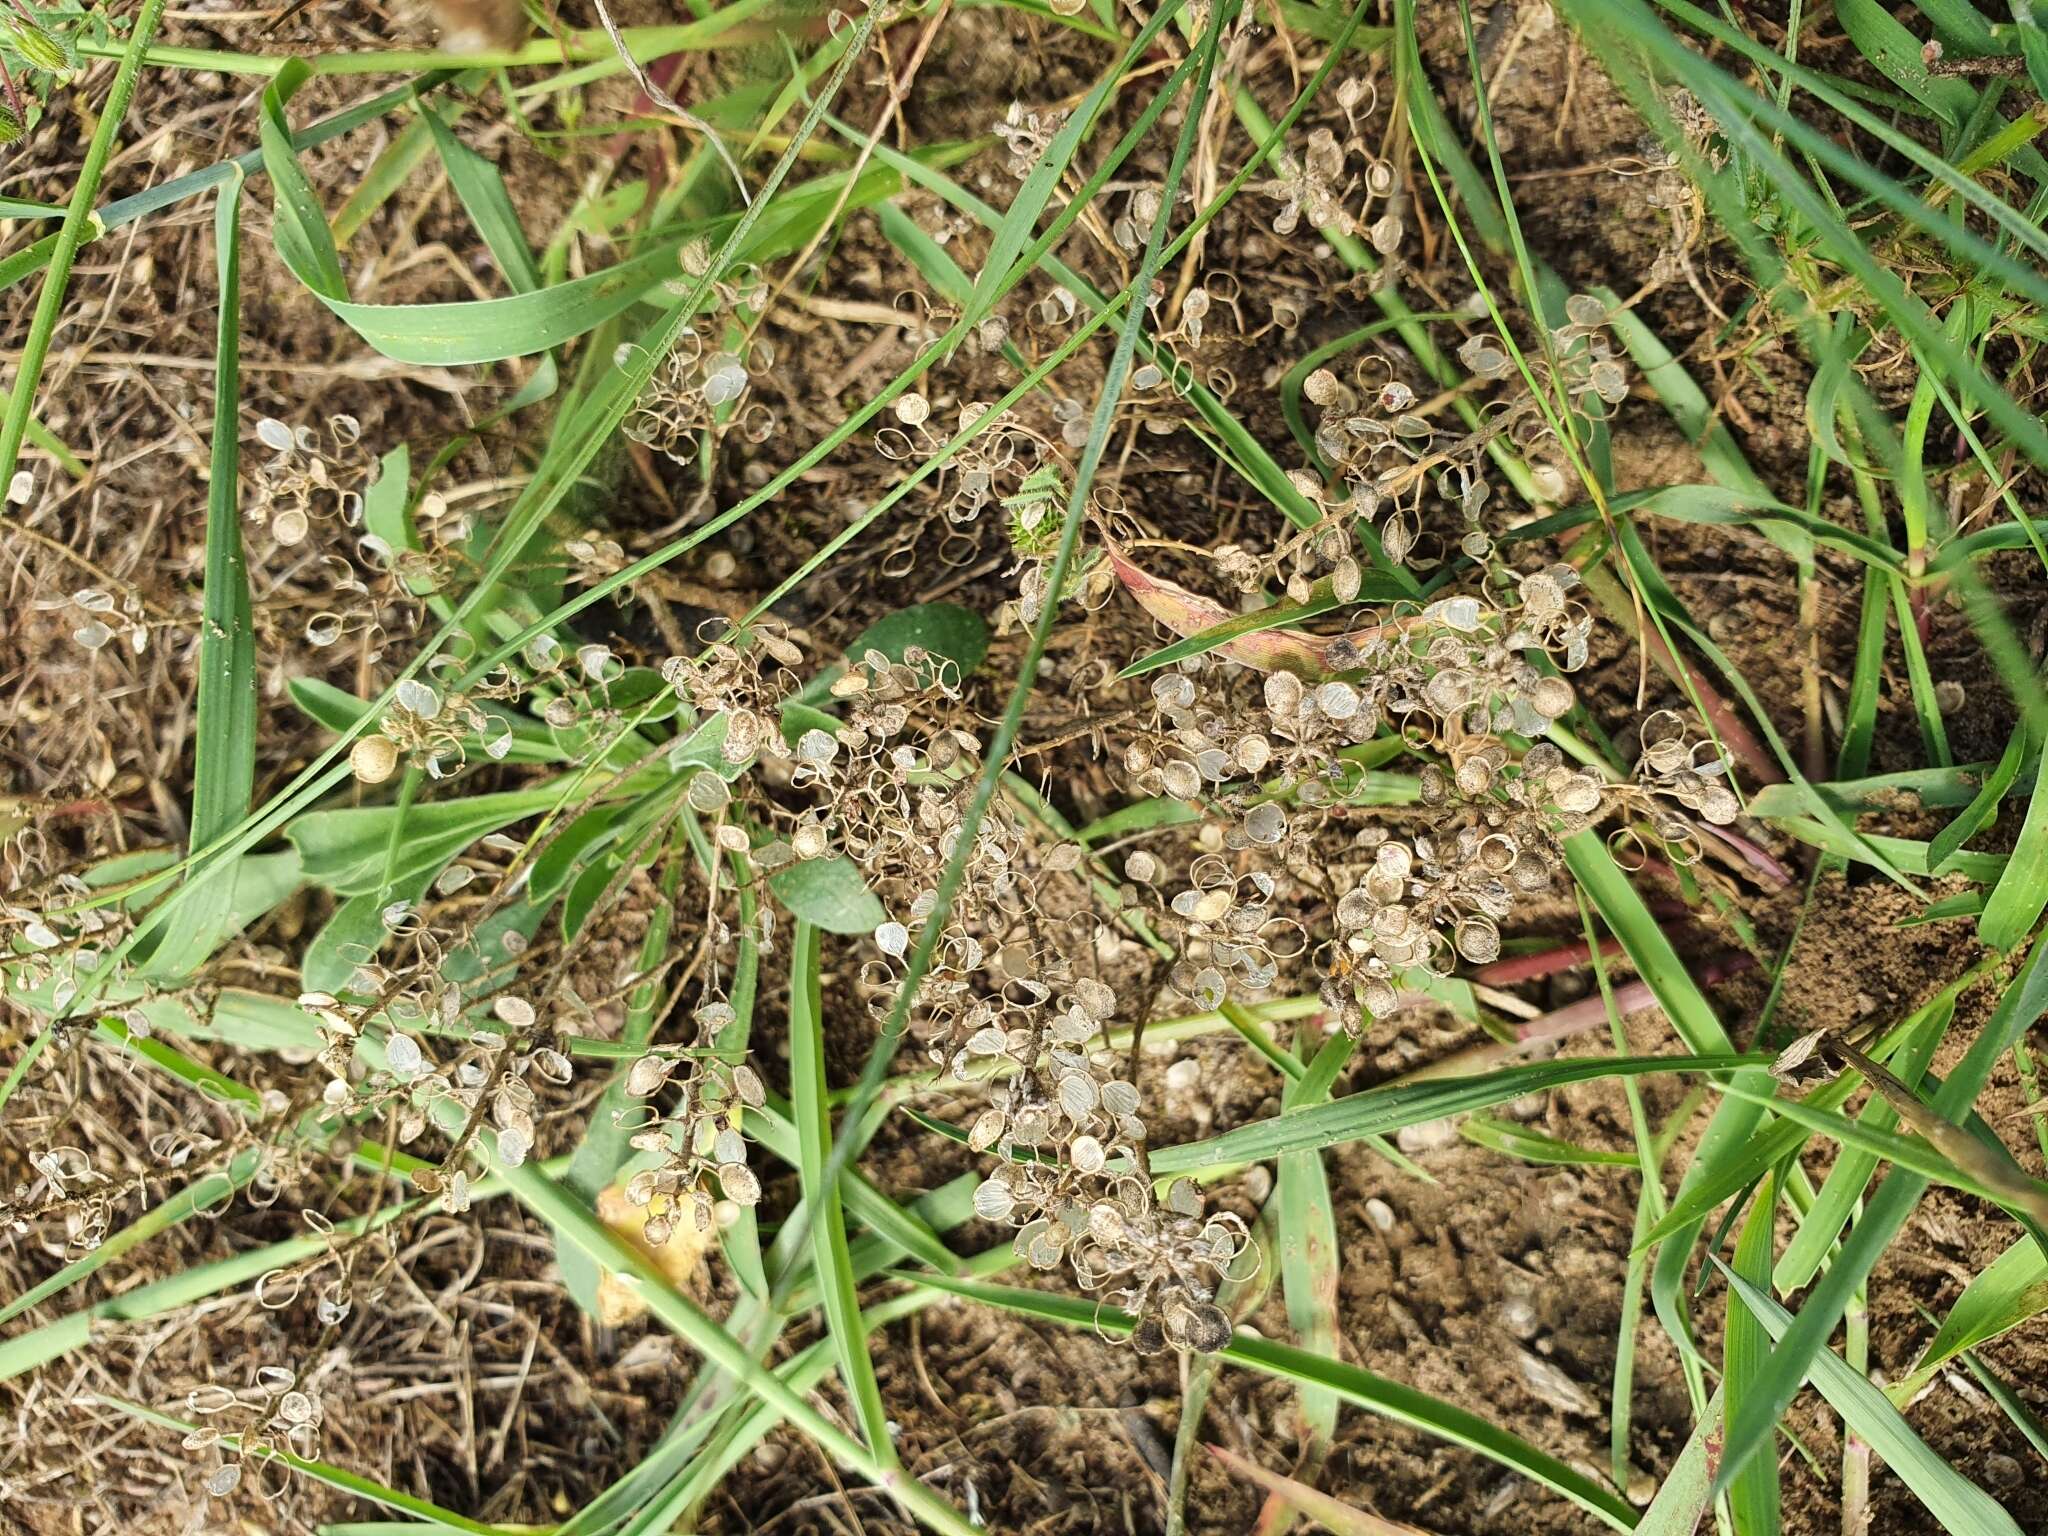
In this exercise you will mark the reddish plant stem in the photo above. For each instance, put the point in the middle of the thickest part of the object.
(1629, 997)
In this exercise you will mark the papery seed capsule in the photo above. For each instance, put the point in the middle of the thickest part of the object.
(1266, 824)
(1283, 694)
(1551, 697)
(1078, 1095)
(1096, 999)
(402, 1054)
(373, 759)
(1578, 794)
(646, 1075)
(993, 1200)
(739, 1183)
(1337, 700)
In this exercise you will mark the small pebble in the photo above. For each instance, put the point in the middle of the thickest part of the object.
(1183, 1074)
(1641, 1489)
(1547, 1382)
(1258, 1183)
(2001, 1471)
(1428, 1136)
(1381, 1213)
(1518, 1316)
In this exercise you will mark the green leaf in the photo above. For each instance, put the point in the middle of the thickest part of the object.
(343, 850)
(1948, 842)
(1754, 1499)
(2011, 1290)
(1961, 1507)
(958, 634)
(354, 934)
(570, 847)
(437, 335)
(224, 763)
(481, 187)
(2021, 895)
(1379, 1110)
(945, 630)
(830, 894)
(1512, 1140)
(829, 1257)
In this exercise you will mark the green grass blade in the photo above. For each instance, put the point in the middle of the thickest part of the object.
(2012, 1289)
(1379, 1110)
(1688, 1487)
(224, 769)
(1656, 962)
(1309, 1258)
(2011, 1403)
(1962, 1508)
(829, 1258)
(489, 205)
(2025, 1000)
(1518, 1141)
(1948, 842)
(2021, 895)
(1753, 1500)
(1361, 1388)
(63, 247)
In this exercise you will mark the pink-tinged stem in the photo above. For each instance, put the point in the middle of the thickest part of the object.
(1630, 997)
(1533, 967)
(1774, 874)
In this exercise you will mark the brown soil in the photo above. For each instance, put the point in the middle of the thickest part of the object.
(468, 1377)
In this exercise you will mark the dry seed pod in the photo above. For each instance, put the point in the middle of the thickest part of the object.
(373, 759)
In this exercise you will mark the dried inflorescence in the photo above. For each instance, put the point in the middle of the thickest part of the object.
(66, 1187)
(1674, 768)
(1384, 454)
(1426, 903)
(1026, 134)
(1073, 1183)
(701, 388)
(433, 727)
(1324, 185)
(307, 480)
(255, 1428)
(698, 1140)
(488, 1073)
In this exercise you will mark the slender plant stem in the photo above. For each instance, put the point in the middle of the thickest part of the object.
(77, 216)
